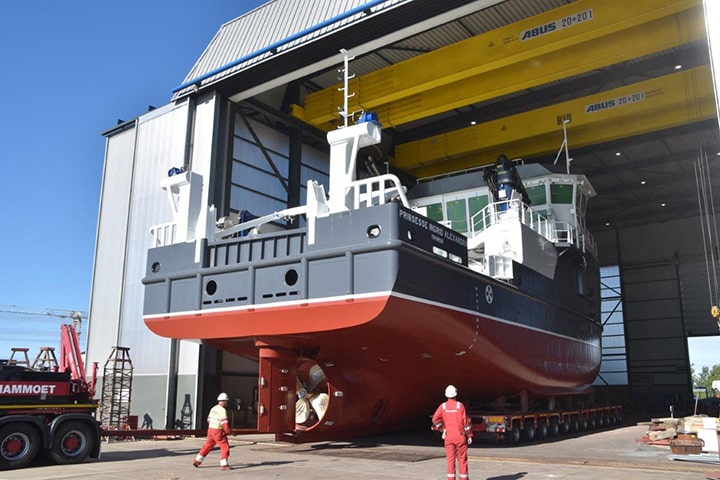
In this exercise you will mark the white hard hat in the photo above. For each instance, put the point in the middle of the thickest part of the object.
(223, 396)
(450, 391)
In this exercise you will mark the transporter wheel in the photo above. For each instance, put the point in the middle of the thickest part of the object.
(565, 427)
(541, 432)
(554, 429)
(592, 422)
(574, 424)
(583, 423)
(72, 443)
(512, 436)
(19, 445)
(529, 431)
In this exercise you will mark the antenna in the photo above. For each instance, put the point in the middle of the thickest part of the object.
(346, 78)
(564, 146)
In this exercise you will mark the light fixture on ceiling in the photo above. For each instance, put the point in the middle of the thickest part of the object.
(473, 122)
(662, 204)
(642, 182)
(617, 154)
(678, 67)
(607, 224)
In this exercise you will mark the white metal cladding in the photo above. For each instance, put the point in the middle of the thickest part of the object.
(271, 23)
(202, 151)
(106, 288)
(188, 358)
(160, 146)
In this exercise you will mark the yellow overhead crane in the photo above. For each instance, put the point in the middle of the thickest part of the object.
(664, 102)
(577, 38)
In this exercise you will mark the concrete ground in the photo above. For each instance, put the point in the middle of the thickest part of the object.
(612, 454)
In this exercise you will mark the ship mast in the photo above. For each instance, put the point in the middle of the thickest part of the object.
(344, 145)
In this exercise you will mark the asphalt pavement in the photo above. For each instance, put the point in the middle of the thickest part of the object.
(610, 454)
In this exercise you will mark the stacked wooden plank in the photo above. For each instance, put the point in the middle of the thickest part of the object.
(663, 429)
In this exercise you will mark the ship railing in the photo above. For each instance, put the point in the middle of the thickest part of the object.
(565, 233)
(377, 190)
(163, 234)
(569, 234)
(511, 210)
(286, 214)
(514, 210)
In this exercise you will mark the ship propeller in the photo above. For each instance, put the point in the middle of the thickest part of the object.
(312, 397)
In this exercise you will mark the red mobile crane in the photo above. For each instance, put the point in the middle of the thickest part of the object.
(51, 411)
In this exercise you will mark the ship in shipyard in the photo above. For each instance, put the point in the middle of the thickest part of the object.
(359, 319)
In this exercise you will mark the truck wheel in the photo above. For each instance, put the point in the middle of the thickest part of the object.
(72, 443)
(19, 445)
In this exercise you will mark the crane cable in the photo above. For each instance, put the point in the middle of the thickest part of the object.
(708, 227)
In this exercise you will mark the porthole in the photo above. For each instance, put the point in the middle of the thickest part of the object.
(211, 287)
(373, 231)
(291, 277)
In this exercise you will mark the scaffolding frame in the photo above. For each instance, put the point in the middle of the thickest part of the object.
(116, 390)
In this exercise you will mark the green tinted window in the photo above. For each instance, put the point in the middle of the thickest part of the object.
(537, 195)
(457, 213)
(434, 212)
(477, 203)
(561, 193)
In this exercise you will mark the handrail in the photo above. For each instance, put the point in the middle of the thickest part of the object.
(368, 189)
(553, 230)
(163, 234)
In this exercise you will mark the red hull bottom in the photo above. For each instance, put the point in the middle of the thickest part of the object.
(387, 359)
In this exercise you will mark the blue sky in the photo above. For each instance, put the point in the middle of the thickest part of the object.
(70, 70)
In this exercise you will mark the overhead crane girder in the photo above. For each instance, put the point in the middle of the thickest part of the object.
(566, 41)
(664, 102)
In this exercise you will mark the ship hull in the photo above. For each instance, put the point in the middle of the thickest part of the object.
(389, 322)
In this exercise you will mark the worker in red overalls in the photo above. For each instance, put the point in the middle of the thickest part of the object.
(218, 430)
(450, 418)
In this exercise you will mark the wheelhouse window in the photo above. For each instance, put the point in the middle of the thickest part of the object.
(457, 214)
(560, 193)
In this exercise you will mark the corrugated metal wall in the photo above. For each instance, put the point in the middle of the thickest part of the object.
(254, 185)
(160, 146)
(656, 276)
(270, 23)
(108, 270)
(132, 202)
